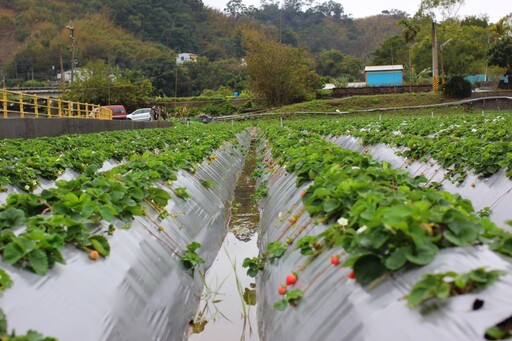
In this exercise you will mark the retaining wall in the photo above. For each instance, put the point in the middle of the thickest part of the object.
(37, 127)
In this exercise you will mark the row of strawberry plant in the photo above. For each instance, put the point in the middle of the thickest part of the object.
(384, 220)
(23, 162)
(75, 211)
(482, 144)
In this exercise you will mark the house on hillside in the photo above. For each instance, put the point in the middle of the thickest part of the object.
(185, 58)
(384, 75)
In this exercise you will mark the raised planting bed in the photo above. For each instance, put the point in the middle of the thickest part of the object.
(358, 236)
(148, 226)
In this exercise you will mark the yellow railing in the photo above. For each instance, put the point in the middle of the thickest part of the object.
(18, 104)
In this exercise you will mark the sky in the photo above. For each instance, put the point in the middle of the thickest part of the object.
(494, 9)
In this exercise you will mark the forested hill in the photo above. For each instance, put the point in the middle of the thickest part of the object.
(33, 33)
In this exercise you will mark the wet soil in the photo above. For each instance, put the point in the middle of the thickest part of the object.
(228, 303)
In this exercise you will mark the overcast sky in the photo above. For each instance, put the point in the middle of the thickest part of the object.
(494, 9)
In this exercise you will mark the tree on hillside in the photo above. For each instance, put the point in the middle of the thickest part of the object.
(500, 53)
(392, 51)
(329, 63)
(410, 29)
(448, 9)
(473, 20)
(103, 84)
(501, 29)
(334, 64)
(281, 73)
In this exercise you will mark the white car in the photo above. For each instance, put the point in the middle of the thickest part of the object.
(142, 114)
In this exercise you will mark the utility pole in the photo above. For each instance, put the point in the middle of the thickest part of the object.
(72, 37)
(176, 88)
(435, 63)
(62, 80)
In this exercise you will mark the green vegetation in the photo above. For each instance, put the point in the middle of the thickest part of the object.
(280, 73)
(190, 259)
(384, 220)
(448, 284)
(457, 87)
(35, 227)
(481, 145)
(143, 41)
(30, 336)
(366, 102)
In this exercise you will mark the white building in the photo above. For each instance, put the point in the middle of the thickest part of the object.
(78, 74)
(185, 58)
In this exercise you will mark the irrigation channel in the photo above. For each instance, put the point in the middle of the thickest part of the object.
(228, 302)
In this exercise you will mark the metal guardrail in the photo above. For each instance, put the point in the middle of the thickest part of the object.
(426, 106)
(16, 104)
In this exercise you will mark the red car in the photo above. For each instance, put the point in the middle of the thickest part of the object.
(118, 112)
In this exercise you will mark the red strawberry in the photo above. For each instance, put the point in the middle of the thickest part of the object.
(292, 219)
(281, 290)
(335, 260)
(352, 275)
(302, 194)
(291, 279)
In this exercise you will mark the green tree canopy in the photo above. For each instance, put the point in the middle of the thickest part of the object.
(281, 73)
(500, 53)
(102, 84)
(392, 51)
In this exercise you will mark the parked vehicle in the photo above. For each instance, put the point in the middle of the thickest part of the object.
(142, 114)
(118, 112)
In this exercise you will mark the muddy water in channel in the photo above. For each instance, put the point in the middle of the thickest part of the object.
(228, 304)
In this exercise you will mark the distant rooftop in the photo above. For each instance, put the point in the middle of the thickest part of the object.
(384, 68)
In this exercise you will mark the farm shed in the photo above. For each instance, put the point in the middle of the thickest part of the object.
(384, 75)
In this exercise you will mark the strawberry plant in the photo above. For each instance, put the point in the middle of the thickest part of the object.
(68, 212)
(389, 220)
(207, 183)
(190, 259)
(448, 284)
(253, 265)
(5, 280)
(30, 336)
(261, 191)
(275, 250)
(500, 331)
(181, 192)
(291, 297)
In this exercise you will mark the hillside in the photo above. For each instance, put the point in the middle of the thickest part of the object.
(34, 37)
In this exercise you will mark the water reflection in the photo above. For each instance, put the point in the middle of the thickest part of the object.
(228, 304)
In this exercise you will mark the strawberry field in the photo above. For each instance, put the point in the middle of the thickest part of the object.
(366, 223)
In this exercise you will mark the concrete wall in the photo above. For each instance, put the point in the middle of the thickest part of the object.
(381, 90)
(37, 127)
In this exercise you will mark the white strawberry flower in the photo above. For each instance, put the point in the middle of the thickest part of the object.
(362, 229)
(27, 187)
(342, 222)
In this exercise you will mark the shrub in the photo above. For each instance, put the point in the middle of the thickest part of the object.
(457, 87)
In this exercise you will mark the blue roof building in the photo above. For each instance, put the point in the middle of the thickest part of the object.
(384, 75)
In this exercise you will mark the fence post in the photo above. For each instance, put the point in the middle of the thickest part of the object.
(36, 107)
(59, 102)
(70, 109)
(49, 107)
(22, 112)
(4, 101)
